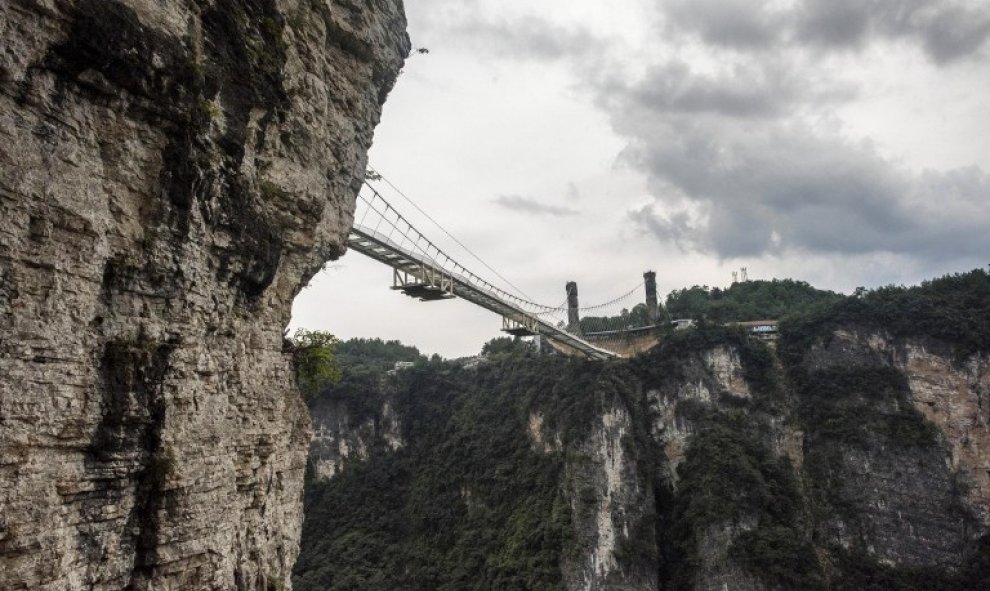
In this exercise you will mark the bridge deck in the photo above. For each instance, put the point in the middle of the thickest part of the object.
(379, 247)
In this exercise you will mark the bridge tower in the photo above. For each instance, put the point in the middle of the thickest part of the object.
(573, 317)
(652, 306)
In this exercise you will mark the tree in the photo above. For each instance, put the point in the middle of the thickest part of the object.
(314, 355)
(506, 346)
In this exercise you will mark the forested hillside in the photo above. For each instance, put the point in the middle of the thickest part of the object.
(747, 300)
(851, 458)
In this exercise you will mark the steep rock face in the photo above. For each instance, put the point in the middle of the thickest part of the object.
(956, 398)
(851, 461)
(901, 476)
(339, 436)
(171, 173)
(609, 503)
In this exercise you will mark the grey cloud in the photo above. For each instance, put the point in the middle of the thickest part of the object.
(733, 141)
(675, 227)
(758, 90)
(955, 33)
(532, 206)
(736, 146)
(731, 23)
(787, 188)
(836, 23)
(946, 30)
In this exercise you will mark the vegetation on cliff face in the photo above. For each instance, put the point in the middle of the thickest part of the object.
(363, 363)
(467, 503)
(731, 475)
(471, 501)
(954, 309)
(856, 407)
(314, 355)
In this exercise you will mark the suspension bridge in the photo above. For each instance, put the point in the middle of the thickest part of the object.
(422, 270)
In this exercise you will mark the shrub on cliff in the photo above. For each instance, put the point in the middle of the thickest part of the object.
(314, 357)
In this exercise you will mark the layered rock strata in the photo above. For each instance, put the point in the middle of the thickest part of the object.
(172, 172)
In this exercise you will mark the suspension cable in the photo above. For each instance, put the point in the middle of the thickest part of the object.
(448, 234)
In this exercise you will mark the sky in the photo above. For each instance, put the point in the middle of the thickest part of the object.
(844, 143)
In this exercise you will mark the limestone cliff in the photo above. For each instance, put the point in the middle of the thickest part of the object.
(853, 458)
(172, 172)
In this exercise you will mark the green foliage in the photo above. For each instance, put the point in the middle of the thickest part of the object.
(374, 355)
(667, 362)
(364, 364)
(270, 191)
(730, 474)
(466, 503)
(954, 309)
(637, 317)
(313, 354)
(860, 406)
(210, 108)
(727, 472)
(857, 571)
(779, 554)
(507, 346)
(748, 300)
(865, 404)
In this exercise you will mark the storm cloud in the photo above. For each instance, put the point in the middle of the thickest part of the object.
(945, 29)
(786, 190)
(738, 160)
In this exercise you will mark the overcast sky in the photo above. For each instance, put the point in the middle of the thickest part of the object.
(841, 142)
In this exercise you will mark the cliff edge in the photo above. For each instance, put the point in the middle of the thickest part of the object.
(172, 172)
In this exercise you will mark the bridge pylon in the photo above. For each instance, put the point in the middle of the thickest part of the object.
(652, 305)
(573, 314)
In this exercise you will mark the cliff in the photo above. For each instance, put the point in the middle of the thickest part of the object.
(172, 172)
(852, 455)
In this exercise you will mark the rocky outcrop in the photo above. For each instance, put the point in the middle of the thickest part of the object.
(340, 436)
(172, 172)
(915, 494)
(608, 502)
(956, 398)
